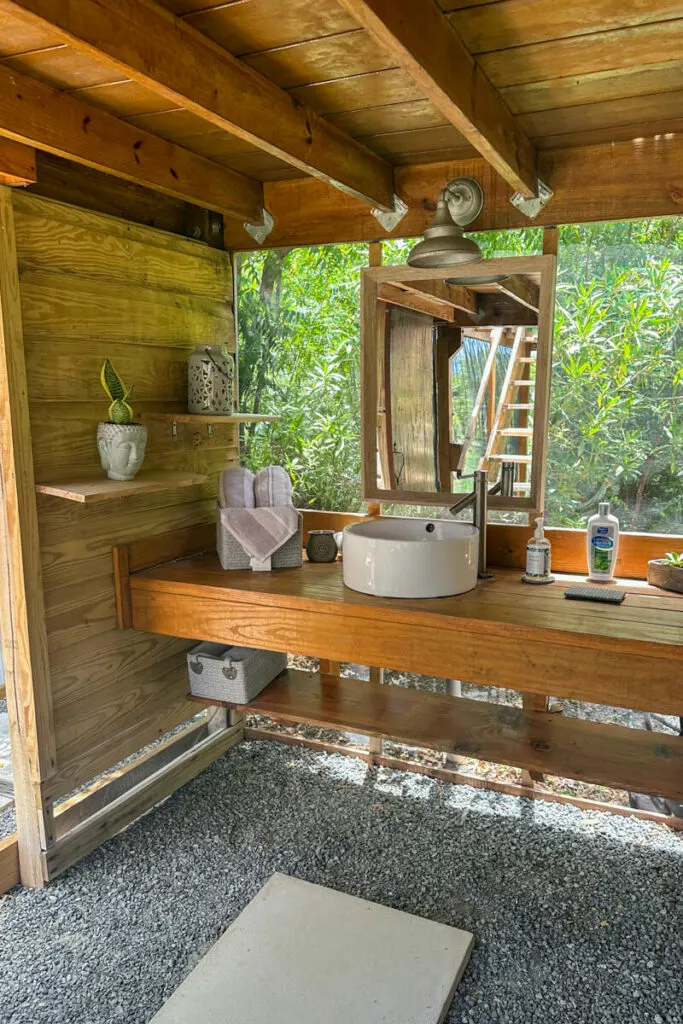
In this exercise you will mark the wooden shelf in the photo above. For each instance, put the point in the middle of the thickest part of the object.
(538, 741)
(191, 417)
(89, 492)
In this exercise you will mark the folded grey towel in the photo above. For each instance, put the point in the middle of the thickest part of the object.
(236, 488)
(261, 531)
(272, 487)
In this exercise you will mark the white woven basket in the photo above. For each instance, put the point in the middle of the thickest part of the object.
(232, 674)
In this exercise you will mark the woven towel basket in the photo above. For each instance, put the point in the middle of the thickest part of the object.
(232, 674)
(233, 556)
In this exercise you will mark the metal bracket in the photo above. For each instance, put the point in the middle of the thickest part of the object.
(390, 219)
(532, 207)
(259, 232)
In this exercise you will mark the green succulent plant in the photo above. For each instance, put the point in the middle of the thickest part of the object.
(119, 410)
(672, 558)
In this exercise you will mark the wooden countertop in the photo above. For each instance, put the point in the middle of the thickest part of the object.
(648, 618)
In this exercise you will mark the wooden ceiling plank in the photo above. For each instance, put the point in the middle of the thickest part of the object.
(357, 92)
(37, 115)
(321, 60)
(264, 24)
(636, 134)
(596, 87)
(425, 45)
(123, 98)
(631, 110)
(523, 22)
(145, 42)
(393, 144)
(609, 181)
(17, 163)
(390, 117)
(581, 55)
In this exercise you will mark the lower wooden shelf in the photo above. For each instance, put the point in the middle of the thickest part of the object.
(609, 755)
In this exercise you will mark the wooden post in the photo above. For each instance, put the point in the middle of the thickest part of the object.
(533, 702)
(375, 744)
(551, 241)
(22, 610)
(375, 260)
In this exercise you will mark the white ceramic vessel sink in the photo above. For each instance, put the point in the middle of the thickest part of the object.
(410, 557)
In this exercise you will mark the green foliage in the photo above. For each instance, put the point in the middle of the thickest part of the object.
(674, 559)
(119, 410)
(299, 358)
(616, 429)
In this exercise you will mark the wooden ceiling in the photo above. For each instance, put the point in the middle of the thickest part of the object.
(566, 75)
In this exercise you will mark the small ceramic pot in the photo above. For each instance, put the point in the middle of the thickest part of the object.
(211, 381)
(321, 546)
(122, 448)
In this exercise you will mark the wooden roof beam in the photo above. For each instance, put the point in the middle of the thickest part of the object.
(454, 295)
(516, 287)
(37, 115)
(17, 163)
(607, 181)
(425, 44)
(420, 302)
(147, 43)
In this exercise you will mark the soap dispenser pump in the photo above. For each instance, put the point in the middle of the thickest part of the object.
(538, 557)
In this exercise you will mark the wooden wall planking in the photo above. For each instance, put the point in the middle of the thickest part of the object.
(93, 286)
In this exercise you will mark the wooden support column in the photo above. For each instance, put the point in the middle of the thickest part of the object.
(551, 241)
(375, 743)
(533, 702)
(375, 256)
(22, 611)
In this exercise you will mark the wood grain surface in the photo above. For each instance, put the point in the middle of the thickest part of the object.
(93, 286)
(611, 755)
(502, 633)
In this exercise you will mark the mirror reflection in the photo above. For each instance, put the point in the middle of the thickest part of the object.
(459, 369)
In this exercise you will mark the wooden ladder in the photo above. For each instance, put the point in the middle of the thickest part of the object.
(515, 396)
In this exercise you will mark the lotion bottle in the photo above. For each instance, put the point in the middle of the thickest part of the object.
(602, 544)
(538, 557)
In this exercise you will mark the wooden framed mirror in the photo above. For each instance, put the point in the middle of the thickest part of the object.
(456, 377)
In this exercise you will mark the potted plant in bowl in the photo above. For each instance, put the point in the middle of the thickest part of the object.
(667, 572)
(120, 442)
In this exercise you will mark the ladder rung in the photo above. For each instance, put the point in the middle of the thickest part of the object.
(518, 405)
(517, 431)
(523, 383)
(521, 486)
(511, 458)
(526, 359)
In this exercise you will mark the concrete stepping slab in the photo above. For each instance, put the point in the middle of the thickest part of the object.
(301, 954)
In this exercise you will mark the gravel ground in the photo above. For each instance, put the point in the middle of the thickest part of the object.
(577, 916)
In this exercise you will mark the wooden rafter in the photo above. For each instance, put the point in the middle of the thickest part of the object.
(418, 301)
(519, 288)
(426, 45)
(17, 163)
(147, 43)
(454, 295)
(37, 115)
(609, 181)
